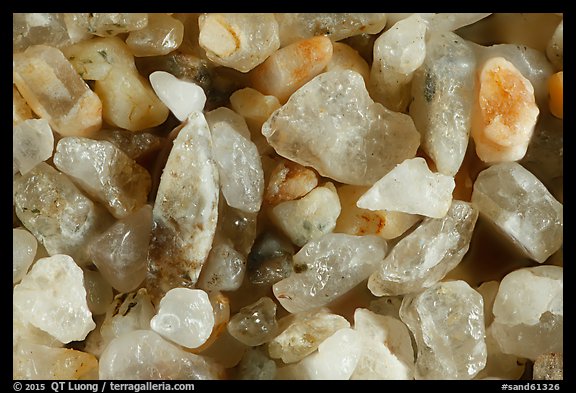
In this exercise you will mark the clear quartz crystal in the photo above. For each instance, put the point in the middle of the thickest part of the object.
(427, 254)
(32, 143)
(105, 172)
(185, 316)
(238, 160)
(62, 218)
(386, 347)
(447, 321)
(52, 297)
(529, 312)
(255, 323)
(120, 252)
(519, 204)
(185, 210)
(332, 125)
(145, 355)
(162, 35)
(411, 187)
(443, 92)
(127, 312)
(309, 217)
(24, 246)
(38, 28)
(336, 26)
(55, 91)
(398, 52)
(303, 332)
(326, 268)
(240, 41)
(40, 362)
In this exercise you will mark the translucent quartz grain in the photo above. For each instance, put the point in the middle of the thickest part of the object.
(99, 292)
(326, 268)
(32, 143)
(443, 92)
(120, 252)
(38, 28)
(137, 146)
(180, 96)
(55, 91)
(356, 221)
(24, 332)
(386, 347)
(184, 316)
(427, 254)
(528, 312)
(288, 181)
(52, 297)
(344, 57)
(270, 259)
(336, 26)
(445, 21)
(224, 269)
(335, 359)
(238, 160)
(256, 365)
(109, 24)
(236, 226)
(145, 355)
(521, 207)
(447, 321)
(555, 47)
(411, 187)
(498, 364)
(62, 218)
(40, 362)
(505, 112)
(302, 333)
(20, 109)
(105, 172)
(255, 323)
(24, 246)
(549, 367)
(290, 67)
(127, 312)
(239, 41)
(185, 210)
(309, 217)
(162, 35)
(332, 125)
(398, 52)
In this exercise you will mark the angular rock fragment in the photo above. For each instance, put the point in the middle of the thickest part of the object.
(521, 207)
(336, 26)
(24, 246)
(105, 172)
(62, 218)
(443, 92)
(186, 210)
(309, 217)
(427, 254)
(529, 312)
(505, 112)
(288, 181)
(55, 91)
(32, 142)
(411, 187)
(162, 35)
(398, 52)
(255, 323)
(549, 367)
(326, 268)
(185, 316)
(145, 355)
(447, 321)
(240, 168)
(239, 41)
(120, 252)
(386, 347)
(52, 297)
(289, 68)
(304, 333)
(332, 125)
(40, 362)
(127, 312)
(180, 96)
